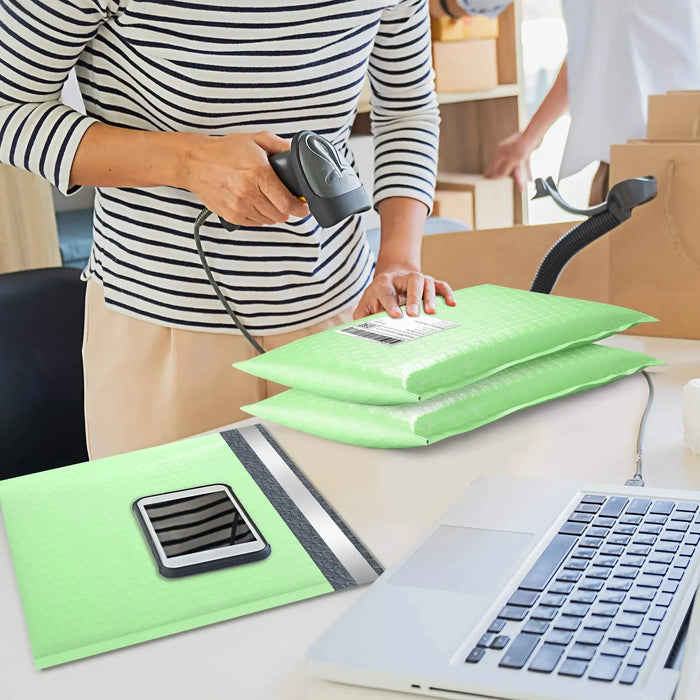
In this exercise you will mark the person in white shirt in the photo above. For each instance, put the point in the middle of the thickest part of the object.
(619, 53)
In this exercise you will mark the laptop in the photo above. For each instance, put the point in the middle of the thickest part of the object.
(534, 589)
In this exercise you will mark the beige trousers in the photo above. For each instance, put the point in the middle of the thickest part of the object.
(147, 385)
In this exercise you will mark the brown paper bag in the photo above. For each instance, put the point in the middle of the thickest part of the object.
(674, 116)
(655, 255)
(511, 257)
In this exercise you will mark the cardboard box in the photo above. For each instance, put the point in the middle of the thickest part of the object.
(674, 116)
(465, 66)
(469, 27)
(455, 205)
(511, 257)
(492, 199)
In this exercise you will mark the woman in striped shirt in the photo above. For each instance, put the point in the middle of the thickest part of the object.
(185, 100)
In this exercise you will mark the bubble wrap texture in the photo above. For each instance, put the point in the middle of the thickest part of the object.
(87, 579)
(549, 377)
(498, 327)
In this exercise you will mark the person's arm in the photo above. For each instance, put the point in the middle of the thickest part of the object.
(514, 152)
(405, 125)
(230, 174)
(39, 44)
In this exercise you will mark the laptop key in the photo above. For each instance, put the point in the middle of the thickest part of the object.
(524, 599)
(664, 599)
(576, 564)
(591, 584)
(623, 634)
(630, 619)
(519, 651)
(605, 610)
(576, 610)
(574, 668)
(593, 498)
(593, 542)
(596, 623)
(542, 612)
(661, 558)
(554, 600)
(587, 508)
(599, 532)
(485, 640)
(642, 593)
(677, 526)
(568, 575)
(626, 572)
(630, 519)
(638, 506)
(568, 623)
(569, 528)
(649, 529)
(656, 519)
(676, 574)
(497, 625)
(687, 506)
(644, 642)
(692, 540)
(604, 522)
(586, 597)
(582, 652)
(667, 536)
(662, 507)
(614, 506)
(629, 675)
(636, 606)
(613, 550)
(656, 569)
(475, 655)
(500, 642)
(636, 658)
(580, 518)
(548, 562)
(682, 562)
(649, 581)
(583, 553)
(513, 612)
(620, 584)
(651, 628)
(535, 626)
(657, 613)
(625, 529)
(669, 587)
(612, 597)
(546, 658)
(645, 539)
(628, 560)
(592, 637)
(561, 587)
(559, 637)
(667, 547)
(605, 668)
(641, 550)
(618, 539)
(613, 648)
(682, 517)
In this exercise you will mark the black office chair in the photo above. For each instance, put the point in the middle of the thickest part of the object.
(41, 375)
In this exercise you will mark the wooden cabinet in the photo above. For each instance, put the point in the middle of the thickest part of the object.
(28, 237)
(474, 122)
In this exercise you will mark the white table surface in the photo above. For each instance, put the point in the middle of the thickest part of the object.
(389, 497)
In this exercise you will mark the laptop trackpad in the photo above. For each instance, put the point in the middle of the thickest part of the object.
(465, 560)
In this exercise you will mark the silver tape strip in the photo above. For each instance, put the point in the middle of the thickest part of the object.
(335, 538)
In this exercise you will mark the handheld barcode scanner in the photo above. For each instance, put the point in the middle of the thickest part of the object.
(603, 218)
(314, 171)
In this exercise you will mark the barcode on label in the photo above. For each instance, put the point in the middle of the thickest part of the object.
(368, 335)
(392, 331)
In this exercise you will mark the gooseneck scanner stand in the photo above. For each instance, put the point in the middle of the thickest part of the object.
(603, 218)
(313, 170)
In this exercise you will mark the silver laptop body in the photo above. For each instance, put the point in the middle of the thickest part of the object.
(576, 618)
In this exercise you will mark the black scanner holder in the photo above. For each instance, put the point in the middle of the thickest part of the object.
(602, 218)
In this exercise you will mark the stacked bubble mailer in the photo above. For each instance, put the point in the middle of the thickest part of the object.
(384, 382)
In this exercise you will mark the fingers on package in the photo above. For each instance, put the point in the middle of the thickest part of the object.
(384, 382)
(143, 545)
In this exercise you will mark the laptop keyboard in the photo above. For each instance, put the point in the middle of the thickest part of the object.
(592, 604)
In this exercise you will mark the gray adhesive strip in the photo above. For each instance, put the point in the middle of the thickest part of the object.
(334, 549)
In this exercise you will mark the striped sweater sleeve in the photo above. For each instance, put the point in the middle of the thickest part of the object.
(405, 117)
(40, 41)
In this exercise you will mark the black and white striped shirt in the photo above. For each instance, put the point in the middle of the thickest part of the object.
(216, 67)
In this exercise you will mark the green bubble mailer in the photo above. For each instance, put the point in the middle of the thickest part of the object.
(386, 361)
(411, 425)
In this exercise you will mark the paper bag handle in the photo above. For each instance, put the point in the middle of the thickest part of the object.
(687, 257)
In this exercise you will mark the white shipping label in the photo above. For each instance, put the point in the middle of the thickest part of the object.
(392, 331)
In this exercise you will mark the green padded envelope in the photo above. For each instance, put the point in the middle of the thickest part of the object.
(384, 361)
(411, 425)
(87, 579)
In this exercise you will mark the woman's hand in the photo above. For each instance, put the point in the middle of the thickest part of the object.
(396, 285)
(233, 178)
(513, 156)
